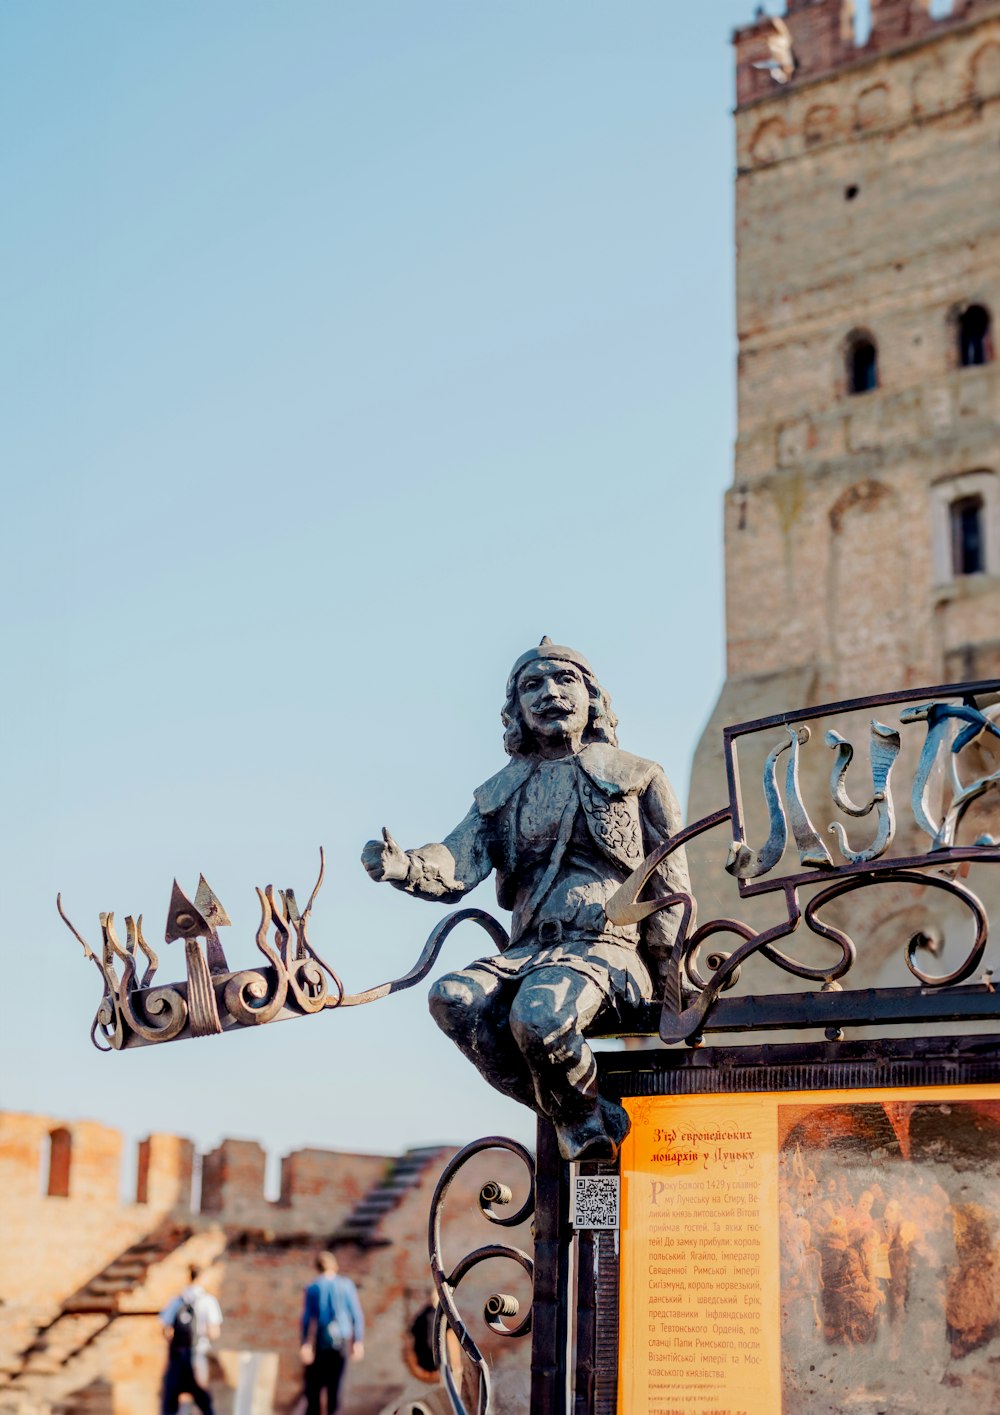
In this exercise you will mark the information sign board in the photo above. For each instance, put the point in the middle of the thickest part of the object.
(803, 1251)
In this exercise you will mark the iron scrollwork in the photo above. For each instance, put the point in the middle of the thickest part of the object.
(294, 981)
(959, 719)
(500, 1307)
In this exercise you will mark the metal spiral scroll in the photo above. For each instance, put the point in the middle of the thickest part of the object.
(499, 1306)
(691, 993)
(294, 981)
(954, 887)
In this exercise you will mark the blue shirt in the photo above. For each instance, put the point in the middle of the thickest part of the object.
(328, 1299)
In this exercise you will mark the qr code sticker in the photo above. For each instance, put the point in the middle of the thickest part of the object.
(595, 1201)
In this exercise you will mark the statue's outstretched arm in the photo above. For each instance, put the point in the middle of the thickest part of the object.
(443, 872)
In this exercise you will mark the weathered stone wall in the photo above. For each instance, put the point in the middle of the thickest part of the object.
(867, 203)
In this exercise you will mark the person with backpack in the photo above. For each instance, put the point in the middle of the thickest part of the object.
(191, 1322)
(333, 1330)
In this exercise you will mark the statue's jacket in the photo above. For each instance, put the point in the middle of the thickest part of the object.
(562, 836)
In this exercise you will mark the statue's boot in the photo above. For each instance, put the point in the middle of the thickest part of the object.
(616, 1120)
(595, 1137)
(586, 1139)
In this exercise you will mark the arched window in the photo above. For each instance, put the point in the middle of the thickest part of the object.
(975, 346)
(965, 512)
(862, 363)
(968, 536)
(60, 1150)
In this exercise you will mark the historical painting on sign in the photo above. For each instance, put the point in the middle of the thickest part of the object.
(890, 1254)
(811, 1253)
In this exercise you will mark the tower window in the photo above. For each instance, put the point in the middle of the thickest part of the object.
(968, 550)
(974, 343)
(862, 364)
(56, 1181)
(965, 525)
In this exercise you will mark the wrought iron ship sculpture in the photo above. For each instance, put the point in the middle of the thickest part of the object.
(293, 981)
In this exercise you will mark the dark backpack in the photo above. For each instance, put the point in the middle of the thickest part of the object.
(185, 1322)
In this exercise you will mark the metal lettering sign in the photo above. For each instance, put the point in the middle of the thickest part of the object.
(951, 736)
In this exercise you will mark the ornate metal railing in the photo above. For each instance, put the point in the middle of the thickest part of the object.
(952, 772)
(500, 1307)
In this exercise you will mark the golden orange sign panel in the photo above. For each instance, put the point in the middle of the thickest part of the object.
(808, 1251)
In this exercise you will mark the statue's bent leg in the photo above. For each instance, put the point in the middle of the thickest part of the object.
(472, 1007)
(548, 1017)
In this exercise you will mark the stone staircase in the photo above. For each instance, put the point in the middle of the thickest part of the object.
(405, 1173)
(95, 1398)
(55, 1364)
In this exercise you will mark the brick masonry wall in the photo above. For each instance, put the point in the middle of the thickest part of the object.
(165, 1170)
(319, 1188)
(51, 1246)
(818, 471)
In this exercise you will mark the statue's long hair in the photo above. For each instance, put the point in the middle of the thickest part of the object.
(602, 724)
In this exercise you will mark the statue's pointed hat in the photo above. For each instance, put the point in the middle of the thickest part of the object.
(547, 649)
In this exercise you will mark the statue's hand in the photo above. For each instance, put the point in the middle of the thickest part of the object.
(384, 859)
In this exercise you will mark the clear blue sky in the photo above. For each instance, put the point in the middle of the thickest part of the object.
(347, 349)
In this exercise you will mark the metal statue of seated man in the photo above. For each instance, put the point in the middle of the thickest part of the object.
(563, 824)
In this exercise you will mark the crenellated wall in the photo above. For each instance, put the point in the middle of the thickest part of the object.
(822, 35)
(323, 1186)
(52, 1243)
(164, 1176)
(76, 1257)
(232, 1180)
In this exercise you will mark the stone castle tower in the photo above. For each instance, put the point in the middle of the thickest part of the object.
(862, 528)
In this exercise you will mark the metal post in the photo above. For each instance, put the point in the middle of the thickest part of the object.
(551, 1303)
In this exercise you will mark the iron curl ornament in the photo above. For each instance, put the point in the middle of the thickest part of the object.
(293, 981)
(958, 763)
(501, 1312)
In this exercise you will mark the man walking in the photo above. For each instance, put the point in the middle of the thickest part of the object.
(333, 1329)
(191, 1322)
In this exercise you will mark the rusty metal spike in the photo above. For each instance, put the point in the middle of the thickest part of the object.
(184, 920)
(88, 952)
(151, 959)
(210, 906)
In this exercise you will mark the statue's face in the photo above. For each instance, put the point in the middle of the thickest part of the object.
(554, 699)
